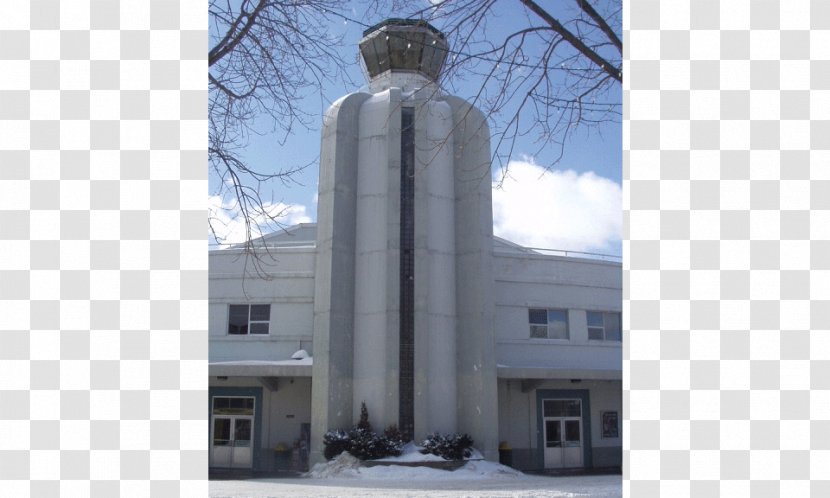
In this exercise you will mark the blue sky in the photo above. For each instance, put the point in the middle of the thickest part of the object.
(584, 187)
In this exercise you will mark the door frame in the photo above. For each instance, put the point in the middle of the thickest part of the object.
(583, 396)
(233, 421)
(250, 392)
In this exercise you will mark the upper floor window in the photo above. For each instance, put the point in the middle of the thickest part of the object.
(548, 324)
(604, 326)
(249, 319)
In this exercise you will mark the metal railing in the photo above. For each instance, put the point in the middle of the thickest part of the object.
(568, 253)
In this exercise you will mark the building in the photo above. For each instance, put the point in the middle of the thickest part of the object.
(401, 297)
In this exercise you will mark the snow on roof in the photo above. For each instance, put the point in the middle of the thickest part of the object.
(304, 361)
(261, 368)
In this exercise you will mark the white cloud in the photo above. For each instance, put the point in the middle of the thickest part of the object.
(229, 224)
(558, 209)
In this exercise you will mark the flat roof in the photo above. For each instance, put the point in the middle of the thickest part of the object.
(258, 368)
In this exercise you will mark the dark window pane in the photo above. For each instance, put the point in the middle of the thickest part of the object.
(595, 333)
(238, 319)
(538, 316)
(613, 330)
(260, 312)
(242, 432)
(259, 328)
(221, 431)
(538, 331)
(553, 433)
(557, 409)
(221, 403)
(573, 408)
(237, 329)
(548, 408)
(594, 319)
(572, 431)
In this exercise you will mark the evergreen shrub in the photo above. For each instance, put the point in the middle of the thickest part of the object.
(448, 446)
(362, 442)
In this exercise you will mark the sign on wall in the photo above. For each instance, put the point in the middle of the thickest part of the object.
(610, 425)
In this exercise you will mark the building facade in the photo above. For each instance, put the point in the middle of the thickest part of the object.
(400, 297)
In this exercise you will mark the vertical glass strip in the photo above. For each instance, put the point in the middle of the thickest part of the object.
(406, 386)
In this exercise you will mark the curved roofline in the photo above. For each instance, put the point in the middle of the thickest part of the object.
(397, 21)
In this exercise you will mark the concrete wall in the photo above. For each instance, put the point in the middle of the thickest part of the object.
(288, 286)
(435, 278)
(376, 284)
(475, 340)
(518, 420)
(331, 398)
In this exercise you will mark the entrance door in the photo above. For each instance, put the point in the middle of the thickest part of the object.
(563, 433)
(232, 432)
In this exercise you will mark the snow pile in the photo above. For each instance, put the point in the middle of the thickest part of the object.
(471, 470)
(412, 453)
(347, 466)
(343, 465)
(483, 468)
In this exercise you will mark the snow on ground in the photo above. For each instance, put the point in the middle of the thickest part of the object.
(411, 453)
(345, 477)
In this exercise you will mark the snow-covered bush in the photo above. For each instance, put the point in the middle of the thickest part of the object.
(335, 443)
(362, 442)
(394, 440)
(448, 446)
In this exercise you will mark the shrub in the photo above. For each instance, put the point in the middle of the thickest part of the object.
(364, 418)
(448, 446)
(361, 442)
(335, 443)
(365, 444)
(394, 440)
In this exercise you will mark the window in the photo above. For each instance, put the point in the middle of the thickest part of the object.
(233, 405)
(562, 408)
(249, 319)
(548, 324)
(604, 326)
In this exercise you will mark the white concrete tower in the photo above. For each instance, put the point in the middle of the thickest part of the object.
(403, 294)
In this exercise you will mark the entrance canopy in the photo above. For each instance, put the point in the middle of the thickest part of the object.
(252, 368)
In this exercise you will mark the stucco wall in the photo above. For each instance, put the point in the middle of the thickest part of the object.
(530, 281)
(288, 287)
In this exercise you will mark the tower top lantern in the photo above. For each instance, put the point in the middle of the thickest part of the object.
(406, 45)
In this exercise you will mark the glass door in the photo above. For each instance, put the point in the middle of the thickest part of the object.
(562, 433)
(232, 432)
(242, 454)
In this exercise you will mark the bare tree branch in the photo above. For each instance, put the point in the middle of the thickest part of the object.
(267, 56)
(606, 66)
(600, 23)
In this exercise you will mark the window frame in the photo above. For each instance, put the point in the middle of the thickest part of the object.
(250, 321)
(604, 327)
(548, 324)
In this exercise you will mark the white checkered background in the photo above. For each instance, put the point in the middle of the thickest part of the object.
(103, 267)
(103, 253)
(727, 288)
